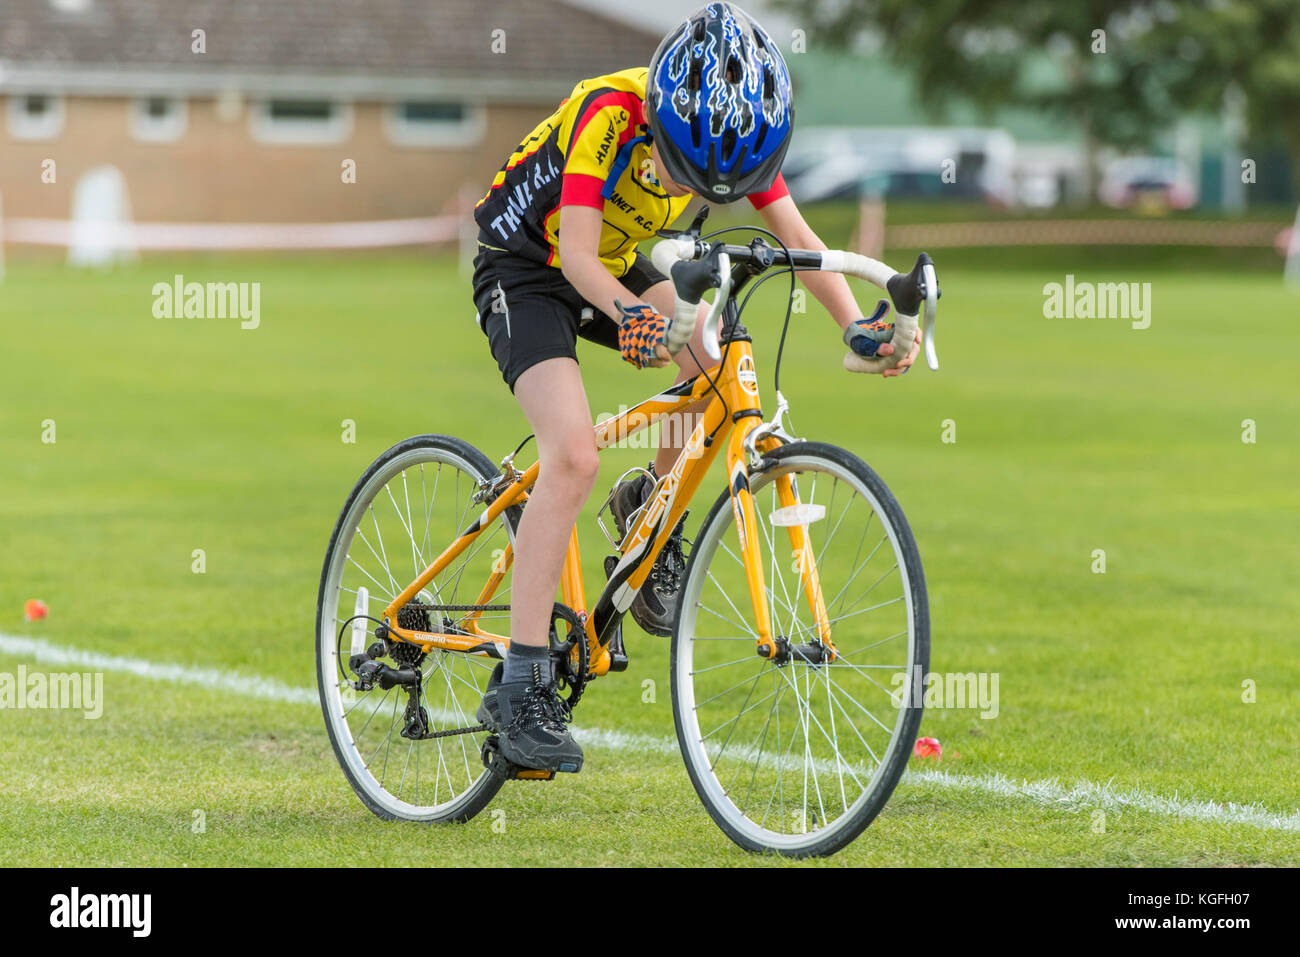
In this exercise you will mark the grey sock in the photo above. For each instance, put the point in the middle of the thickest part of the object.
(520, 660)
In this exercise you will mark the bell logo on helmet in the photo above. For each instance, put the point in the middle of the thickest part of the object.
(722, 189)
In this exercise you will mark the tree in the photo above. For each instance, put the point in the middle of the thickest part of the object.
(1210, 47)
(1074, 60)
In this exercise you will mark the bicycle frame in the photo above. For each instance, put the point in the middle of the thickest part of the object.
(731, 415)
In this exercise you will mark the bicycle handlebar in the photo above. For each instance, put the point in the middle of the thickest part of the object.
(696, 266)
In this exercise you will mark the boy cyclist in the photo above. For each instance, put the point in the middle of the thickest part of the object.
(621, 158)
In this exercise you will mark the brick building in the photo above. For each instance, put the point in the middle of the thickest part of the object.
(246, 110)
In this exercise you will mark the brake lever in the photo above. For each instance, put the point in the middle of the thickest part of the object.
(930, 315)
(713, 321)
(692, 232)
(917, 292)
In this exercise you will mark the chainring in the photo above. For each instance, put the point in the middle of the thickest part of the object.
(570, 655)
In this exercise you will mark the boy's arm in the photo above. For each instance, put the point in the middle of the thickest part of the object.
(579, 236)
(831, 289)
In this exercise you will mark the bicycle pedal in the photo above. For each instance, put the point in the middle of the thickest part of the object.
(495, 762)
(529, 774)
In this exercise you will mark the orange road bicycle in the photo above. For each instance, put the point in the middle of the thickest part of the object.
(803, 607)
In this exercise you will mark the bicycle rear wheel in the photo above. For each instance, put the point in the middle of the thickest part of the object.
(799, 756)
(412, 501)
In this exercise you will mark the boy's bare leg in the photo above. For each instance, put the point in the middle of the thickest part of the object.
(520, 702)
(555, 403)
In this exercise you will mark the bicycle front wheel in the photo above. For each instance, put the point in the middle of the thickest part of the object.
(798, 755)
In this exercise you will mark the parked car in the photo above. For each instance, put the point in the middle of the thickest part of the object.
(827, 163)
(1144, 180)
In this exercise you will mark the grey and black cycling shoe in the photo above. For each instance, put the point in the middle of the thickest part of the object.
(630, 496)
(655, 605)
(489, 711)
(534, 726)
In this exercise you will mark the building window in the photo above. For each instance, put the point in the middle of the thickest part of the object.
(303, 122)
(35, 116)
(158, 119)
(435, 123)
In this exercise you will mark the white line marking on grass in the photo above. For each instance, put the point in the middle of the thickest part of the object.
(1088, 794)
(1048, 793)
(250, 686)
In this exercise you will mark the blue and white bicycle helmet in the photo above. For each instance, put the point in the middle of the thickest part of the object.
(718, 104)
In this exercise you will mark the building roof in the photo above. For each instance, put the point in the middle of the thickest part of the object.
(349, 47)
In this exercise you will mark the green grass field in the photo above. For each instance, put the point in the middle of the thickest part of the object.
(1117, 690)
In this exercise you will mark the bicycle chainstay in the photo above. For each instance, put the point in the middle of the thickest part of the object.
(575, 679)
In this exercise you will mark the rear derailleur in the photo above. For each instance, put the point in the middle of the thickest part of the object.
(373, 673)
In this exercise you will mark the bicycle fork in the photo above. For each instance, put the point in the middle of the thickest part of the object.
(744, 510)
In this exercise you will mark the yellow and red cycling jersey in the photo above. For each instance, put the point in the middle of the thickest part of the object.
(592, 151)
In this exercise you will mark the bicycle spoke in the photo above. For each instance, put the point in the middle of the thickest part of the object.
(858, 567)
(873, 585)
(382, 551)
(897, 634)
(863, 611)
(383, 589)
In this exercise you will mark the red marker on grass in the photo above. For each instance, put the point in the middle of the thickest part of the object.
(928, 748)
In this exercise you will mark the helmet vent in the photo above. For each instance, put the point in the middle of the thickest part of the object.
(728, 144)
(698, 34)
(693, 78)
(758, 142)
(695, 130)
(734, 71)
(769, 84)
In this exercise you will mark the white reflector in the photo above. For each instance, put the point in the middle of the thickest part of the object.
(361, 626)
(801, 514)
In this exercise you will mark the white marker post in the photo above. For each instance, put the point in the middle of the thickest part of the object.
(101, 219)
(1291, 272)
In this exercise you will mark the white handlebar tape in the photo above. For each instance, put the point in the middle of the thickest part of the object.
(872, 270)
(668, 252)
(665, 254)
(852, 264)
(682, 327)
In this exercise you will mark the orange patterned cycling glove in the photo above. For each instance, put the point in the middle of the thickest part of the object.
(640, 331)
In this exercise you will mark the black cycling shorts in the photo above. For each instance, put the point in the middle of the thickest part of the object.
(530, 312)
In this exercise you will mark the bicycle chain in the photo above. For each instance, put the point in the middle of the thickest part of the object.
(421, 606)
(454, 731)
